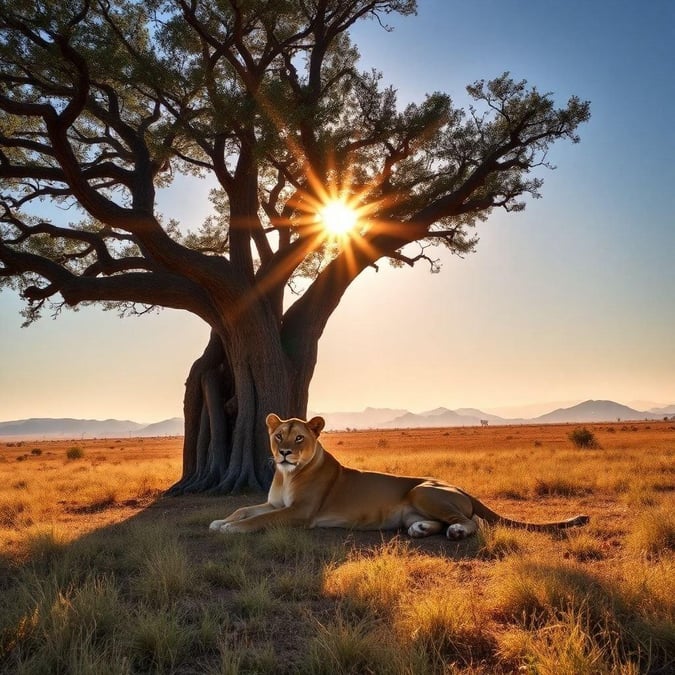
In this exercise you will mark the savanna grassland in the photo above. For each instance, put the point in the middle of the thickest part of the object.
(101, 574)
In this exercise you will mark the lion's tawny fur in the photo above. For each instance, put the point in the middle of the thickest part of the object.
(311, 488)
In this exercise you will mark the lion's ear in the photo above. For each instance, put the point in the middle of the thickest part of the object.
(316, 425)
(273, 422)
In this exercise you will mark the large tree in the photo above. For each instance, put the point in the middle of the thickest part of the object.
(102, 101)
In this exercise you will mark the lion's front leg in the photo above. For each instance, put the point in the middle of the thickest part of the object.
(243, 513)
(275, 517)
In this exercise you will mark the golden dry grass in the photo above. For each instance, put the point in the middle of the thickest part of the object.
(42, 490)
(101, 574)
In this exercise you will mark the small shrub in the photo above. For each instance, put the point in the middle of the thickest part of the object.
(583, 438)
(36, 451)
(74, 453)
(98, 503)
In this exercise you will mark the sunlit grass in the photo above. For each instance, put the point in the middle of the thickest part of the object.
(596, 614)
(373, 582)
(585, 545)
(653, 532)
(97, 576)
(39, 489)
(498, 542)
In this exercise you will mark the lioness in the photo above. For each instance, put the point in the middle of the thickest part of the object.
(312, 489)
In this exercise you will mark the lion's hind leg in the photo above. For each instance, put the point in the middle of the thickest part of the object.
(442, 505)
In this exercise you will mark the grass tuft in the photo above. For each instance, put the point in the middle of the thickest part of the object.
(14, 512)
(558, 486)
(566, 646)
(164, 573)
(581, 608)
(157, 640)
(445, 624)
(585, 546)
(254, 600)
(345, 647)
(653, 533)
(496, 542)
(373, 582)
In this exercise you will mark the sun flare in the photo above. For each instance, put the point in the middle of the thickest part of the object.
(338, 218)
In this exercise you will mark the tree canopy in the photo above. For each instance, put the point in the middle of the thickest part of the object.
(104, 101)
(101, 102)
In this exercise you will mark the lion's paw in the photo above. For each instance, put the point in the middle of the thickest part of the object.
(216, 525)
(424, 528)
(457, 531)
(418, 529)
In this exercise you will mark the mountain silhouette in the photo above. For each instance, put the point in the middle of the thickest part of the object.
(369, 418)
(595, 411)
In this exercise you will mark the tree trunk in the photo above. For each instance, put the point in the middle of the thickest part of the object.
(228, 393)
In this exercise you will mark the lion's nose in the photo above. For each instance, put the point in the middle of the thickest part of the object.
(284, 453)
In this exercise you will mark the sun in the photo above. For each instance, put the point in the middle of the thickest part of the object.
(338, 218)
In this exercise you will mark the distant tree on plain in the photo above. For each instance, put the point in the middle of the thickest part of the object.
(321, 175)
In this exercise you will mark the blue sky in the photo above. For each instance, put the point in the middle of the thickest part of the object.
(572, 299)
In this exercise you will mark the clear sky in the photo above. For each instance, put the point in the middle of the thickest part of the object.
(570, 300)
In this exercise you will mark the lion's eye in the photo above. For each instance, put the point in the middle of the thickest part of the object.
(279, 437)
(299, 438)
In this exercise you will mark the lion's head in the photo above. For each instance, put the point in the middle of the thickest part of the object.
(293, 442)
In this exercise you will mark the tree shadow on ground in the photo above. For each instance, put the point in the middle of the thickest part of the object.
(157, 592)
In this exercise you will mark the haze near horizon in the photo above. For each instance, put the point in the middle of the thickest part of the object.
(567, 301)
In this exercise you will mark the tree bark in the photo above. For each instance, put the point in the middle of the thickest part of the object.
(229, 391)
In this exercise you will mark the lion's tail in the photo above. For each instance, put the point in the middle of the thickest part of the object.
(489, 516)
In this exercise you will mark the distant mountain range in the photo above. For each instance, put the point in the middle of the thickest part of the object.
(370, 418)
(75, 428)
(588, 411)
